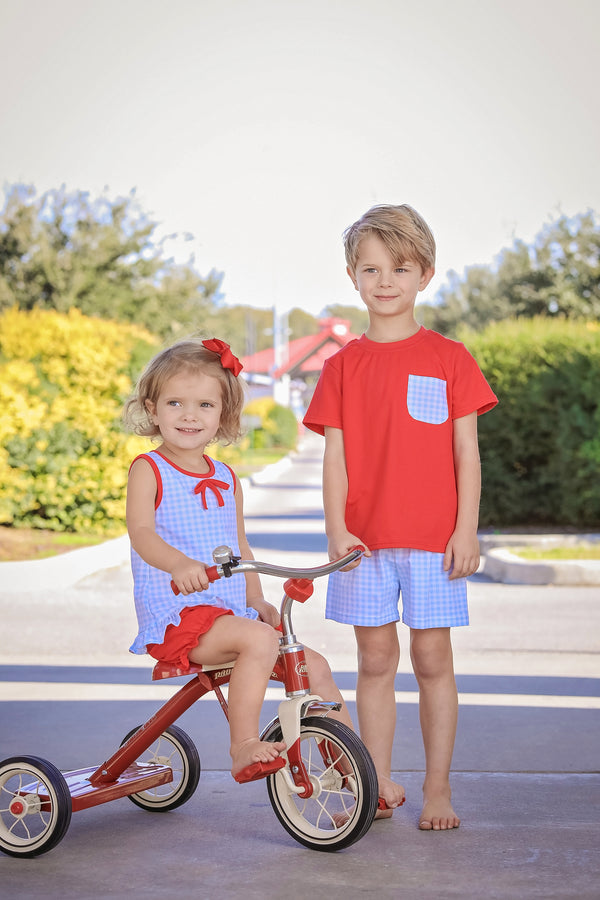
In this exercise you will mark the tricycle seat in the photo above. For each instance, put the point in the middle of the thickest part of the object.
(172, 670)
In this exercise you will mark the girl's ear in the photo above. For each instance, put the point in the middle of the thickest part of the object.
(150, 409)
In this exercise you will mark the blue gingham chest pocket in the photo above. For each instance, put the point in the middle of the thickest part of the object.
(426, 399)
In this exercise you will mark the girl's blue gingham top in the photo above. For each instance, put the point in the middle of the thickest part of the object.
(194, 513)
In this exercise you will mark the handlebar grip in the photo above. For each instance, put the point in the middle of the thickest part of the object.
(212, 573)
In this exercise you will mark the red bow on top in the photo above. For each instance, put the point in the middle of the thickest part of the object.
(228, 360)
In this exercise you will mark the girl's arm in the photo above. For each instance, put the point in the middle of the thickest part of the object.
(335, 494)
(188, 574)
(254, 592)
(462, 550)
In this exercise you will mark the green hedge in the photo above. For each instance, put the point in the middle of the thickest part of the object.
(540, 447)
(64, 456)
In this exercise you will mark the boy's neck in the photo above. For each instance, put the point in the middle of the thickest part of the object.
(385, 331)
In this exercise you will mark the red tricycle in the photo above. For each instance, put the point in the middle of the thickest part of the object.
(325, 795)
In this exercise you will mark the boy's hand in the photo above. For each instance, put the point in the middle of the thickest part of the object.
(343, 543)
(190, 575)
(266, 612)
(462, 555)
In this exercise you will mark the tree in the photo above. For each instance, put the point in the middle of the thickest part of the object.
(558, 275)
(64, 250)
(246, 329)
(357, 316)
(301, 324)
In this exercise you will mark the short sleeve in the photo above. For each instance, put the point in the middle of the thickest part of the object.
(325, 408)
(470, 390)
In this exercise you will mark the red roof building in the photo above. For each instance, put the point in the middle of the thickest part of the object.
(305, 355)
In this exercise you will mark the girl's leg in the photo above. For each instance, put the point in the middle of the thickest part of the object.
(431, 654)
(322, 683)
(378, 656)
(254, 647)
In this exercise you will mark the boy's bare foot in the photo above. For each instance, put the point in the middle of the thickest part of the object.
(252, 751)
(438, 815)
(393, 796)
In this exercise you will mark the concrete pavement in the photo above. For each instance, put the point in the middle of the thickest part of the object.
(525, 782)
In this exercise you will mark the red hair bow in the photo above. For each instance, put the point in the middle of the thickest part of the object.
(228, 360)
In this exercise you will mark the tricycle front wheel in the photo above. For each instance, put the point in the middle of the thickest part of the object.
(345, 790)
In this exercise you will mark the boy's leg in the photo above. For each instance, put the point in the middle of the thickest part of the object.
(431, 655)
(378, 656)
(254, 647)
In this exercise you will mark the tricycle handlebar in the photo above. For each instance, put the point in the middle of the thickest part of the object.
(226, 564)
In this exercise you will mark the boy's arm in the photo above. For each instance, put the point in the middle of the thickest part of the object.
(188, 574)
(462, 550)
(254, 591)
(335, 494)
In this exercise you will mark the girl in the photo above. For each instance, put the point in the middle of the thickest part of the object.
(181, 504)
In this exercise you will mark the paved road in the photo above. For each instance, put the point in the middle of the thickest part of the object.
(526, 779)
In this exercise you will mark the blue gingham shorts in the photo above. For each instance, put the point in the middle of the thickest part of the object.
(369, 594)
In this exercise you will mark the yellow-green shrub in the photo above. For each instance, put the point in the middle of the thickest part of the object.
(64, 455)
(278, 424)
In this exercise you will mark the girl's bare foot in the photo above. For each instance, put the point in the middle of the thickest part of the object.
(252, 751)
(438, 815)
(393, 796)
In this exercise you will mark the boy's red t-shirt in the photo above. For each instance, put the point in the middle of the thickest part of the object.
(395, 403)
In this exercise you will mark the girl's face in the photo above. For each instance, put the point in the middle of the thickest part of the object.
(188, 411)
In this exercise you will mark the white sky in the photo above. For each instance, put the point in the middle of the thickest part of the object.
(265, 127)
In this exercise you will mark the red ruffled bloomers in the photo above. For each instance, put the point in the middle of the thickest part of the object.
(180, 639)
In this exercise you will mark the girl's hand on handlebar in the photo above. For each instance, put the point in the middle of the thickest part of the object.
(343, 543)
(266, 612)
(189, 576)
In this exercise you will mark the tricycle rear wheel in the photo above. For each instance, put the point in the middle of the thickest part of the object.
(173, 748)
(35, 806)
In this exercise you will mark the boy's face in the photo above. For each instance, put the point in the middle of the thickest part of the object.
(386, 288)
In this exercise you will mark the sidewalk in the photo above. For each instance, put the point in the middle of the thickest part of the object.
(525, 780)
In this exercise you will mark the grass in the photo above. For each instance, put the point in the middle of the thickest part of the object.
(17, 544)
(582, 551)
(254, 460)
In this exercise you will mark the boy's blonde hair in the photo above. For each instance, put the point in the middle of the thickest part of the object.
(186, 356)
(404, 232)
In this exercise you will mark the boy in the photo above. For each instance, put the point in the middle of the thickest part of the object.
(401, 475)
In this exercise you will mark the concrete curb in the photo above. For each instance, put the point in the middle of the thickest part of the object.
(265, 475)
(500, 564)
(65, 569)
